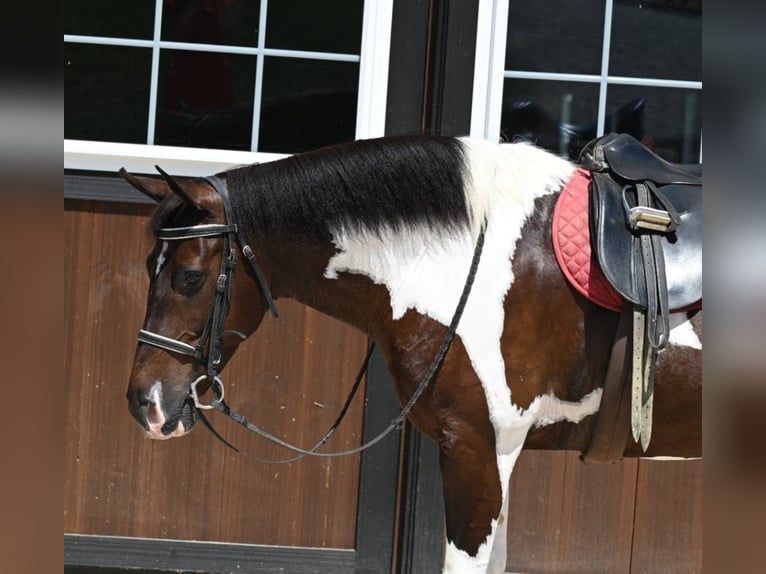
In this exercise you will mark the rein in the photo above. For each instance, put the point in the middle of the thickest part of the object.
(209, 345)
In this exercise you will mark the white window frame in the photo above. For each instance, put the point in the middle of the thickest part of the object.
(141, 158)
(490, 72)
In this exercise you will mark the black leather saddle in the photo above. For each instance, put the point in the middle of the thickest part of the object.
(635, 193)
(646, 231)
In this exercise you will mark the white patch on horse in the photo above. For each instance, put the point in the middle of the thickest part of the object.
(549, 409)
(682, 332)
(458, 561)
(427, 273)
(161, 258)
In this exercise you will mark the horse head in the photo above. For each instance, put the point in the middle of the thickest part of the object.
(184, 267)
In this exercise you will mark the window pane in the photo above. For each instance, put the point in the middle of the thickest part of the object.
(670, 122)
(211, 22)
(657, 39)
(205, 99)
(107, 92)
(120, 18)
(307, 104)
(559, 116)
(327, 26)
(555, 36)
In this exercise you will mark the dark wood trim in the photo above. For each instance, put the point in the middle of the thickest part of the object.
(101, 188)
(450, 66)
(375, 524)
(407, 66)
(422, 525)
(158, 556)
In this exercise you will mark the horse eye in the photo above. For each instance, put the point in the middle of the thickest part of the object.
(192, 277)
(188, 281)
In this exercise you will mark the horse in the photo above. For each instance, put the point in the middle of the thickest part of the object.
(388, 235)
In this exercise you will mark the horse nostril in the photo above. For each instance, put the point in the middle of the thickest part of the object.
(146, 405)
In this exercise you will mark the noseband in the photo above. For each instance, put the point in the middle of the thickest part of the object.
(209, 346)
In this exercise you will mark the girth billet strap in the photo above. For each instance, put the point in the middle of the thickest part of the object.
(651, 325)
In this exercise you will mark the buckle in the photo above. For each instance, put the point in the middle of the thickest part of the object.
(217, 386)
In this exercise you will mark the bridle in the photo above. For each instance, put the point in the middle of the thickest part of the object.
(210, 344)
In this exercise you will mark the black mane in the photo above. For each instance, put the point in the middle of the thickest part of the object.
(362, 186)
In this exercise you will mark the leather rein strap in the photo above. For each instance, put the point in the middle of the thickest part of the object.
(209, 345)
(395, 423)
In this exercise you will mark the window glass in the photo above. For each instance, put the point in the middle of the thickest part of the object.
(205, 99)
(213, 92)
(559, 116)
(670, 120)
(327, 26)
(555, 36)
(555, 86)
(307, 104)
(107, 92)
(657, 39)
(232, 22)
(120, 18)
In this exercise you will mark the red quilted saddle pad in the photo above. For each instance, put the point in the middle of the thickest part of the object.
(571, 242)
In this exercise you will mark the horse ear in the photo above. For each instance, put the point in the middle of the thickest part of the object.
(200, 196)
(152, 187)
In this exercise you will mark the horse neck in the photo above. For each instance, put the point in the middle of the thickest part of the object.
(297, 271)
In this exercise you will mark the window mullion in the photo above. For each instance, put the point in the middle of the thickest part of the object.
(603, 83)
(258, 93)
(155, 74)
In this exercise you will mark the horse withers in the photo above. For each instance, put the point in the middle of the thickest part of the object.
(381, 234)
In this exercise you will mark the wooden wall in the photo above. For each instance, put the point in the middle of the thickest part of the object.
(291, 378)
(632, 516)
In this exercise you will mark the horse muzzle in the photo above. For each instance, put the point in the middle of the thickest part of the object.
(160, 418)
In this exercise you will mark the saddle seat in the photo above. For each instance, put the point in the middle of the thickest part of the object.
(632, 160)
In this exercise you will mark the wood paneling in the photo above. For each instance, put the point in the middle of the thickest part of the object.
(631, 516)
(291, 378)
(668, 521)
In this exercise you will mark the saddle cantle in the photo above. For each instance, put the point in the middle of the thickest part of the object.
(645, 217)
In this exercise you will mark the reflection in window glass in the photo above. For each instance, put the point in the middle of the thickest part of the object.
(671, 119)
(657, 39)
(211, 22)
(307, 104)
(555, 36)
(209, 99)
(205, 99)
(118, 18)
(107, 92)
(327, 26)
(559, 116)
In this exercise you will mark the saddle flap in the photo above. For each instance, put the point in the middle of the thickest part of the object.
(618, 247)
